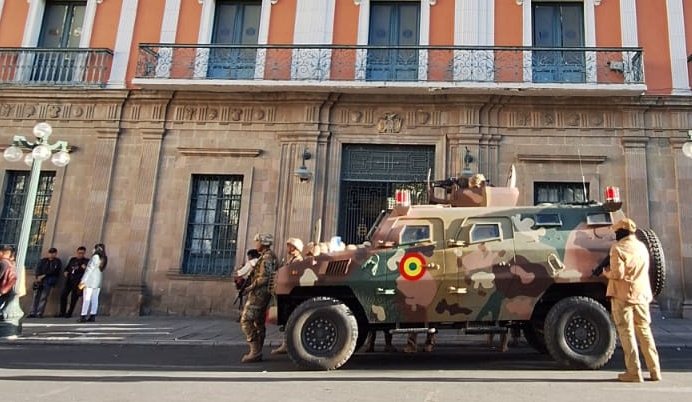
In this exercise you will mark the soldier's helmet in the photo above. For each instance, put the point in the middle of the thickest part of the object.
(626, 224)
(295, 242)
(264, 239)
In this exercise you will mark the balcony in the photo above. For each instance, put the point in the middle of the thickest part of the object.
(404, 69)
(55, 67)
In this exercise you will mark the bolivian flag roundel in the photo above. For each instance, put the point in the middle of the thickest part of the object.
(412, 266)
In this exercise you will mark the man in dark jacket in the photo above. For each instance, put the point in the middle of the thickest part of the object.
(47, 274)
(73, 275)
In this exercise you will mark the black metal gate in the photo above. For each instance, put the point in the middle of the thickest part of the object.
(370, 175)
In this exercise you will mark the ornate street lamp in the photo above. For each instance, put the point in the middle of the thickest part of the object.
(41, 150)
(687, 146)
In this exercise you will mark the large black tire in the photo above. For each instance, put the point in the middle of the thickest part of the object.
(533, 333)
(657, 263)
(579, 333)
(321, 334)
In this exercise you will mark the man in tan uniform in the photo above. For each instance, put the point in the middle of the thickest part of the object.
(630, 293)
(294, 248)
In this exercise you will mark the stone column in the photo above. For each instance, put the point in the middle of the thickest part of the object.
(636, 201)
(128, 293)
(683, 177)
(99, 193)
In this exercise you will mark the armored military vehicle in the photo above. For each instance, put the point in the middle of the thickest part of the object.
(482, 266)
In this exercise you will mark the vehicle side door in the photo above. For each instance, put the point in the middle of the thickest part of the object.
(416, 268)
(484, 250)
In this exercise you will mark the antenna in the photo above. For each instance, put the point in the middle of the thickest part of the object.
(583, 180)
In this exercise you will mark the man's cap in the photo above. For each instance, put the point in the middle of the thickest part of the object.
(264, 239)
(626, 224)
(295, 242)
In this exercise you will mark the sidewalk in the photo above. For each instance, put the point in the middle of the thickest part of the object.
(214, 331)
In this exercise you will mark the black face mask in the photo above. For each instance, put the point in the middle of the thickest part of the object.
(621, 234)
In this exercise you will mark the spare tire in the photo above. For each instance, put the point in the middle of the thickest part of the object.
(657, 263)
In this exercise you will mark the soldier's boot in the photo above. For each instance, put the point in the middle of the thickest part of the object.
(281, 350)
(629, 377)
(388, 347)
(656, 375)
(429, 343)
(411, 344)
(369, 344)
(504, 342)
(254, 355)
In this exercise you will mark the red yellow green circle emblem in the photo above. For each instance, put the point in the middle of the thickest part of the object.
(412, 266)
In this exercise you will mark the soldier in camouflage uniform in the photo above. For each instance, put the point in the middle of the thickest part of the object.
(252, 320)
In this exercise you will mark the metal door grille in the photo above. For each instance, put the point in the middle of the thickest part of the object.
(370, 176)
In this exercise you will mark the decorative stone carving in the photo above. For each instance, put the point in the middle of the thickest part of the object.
(6, 109)
(236, 114)
(572, 119)
(547, 119)
(523, 118)
(54, 111)
(389, 123)
(29, 111)
(596, 119)
(77, 111)
(356, 116)
(423, 117)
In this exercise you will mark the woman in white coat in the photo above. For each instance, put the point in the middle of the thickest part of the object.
(91, 283)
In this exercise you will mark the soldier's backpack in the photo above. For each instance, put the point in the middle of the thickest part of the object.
(9, 278)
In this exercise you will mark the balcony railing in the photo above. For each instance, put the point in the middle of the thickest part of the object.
(434, 65)
(55, 67)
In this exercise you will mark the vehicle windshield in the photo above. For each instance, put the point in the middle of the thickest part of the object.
(375, 225)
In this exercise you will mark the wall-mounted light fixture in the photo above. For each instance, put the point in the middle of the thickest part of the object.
(468, 160)
(303, 173)
(687, 146)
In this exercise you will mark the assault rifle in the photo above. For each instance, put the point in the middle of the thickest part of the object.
(242, 287)
(598, 271)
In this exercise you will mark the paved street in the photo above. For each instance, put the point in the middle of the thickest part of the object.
(183, 359)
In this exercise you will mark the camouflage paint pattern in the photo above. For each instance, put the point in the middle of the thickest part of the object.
(470, 264)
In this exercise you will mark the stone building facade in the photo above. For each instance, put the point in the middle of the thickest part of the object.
(147, 145)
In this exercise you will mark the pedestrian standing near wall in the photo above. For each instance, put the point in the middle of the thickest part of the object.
(91, 283)
(47, 274)
(74, 271)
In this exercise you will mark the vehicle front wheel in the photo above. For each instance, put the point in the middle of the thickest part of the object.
(579, 333)
(321, 333)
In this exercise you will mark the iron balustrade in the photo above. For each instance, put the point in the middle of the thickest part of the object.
(76, 67)
(432, 64)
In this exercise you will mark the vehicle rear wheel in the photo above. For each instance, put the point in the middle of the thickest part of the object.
(533, 333)
(321, 333)
(579, 333)
(657, 263)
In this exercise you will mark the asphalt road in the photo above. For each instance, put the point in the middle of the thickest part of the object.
(187, 373)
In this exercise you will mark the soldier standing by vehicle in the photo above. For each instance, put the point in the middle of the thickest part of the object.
(252, 320)
(294, 248)
(630, 293)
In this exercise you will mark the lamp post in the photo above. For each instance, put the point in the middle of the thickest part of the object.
(687, 146)
(41, 150)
